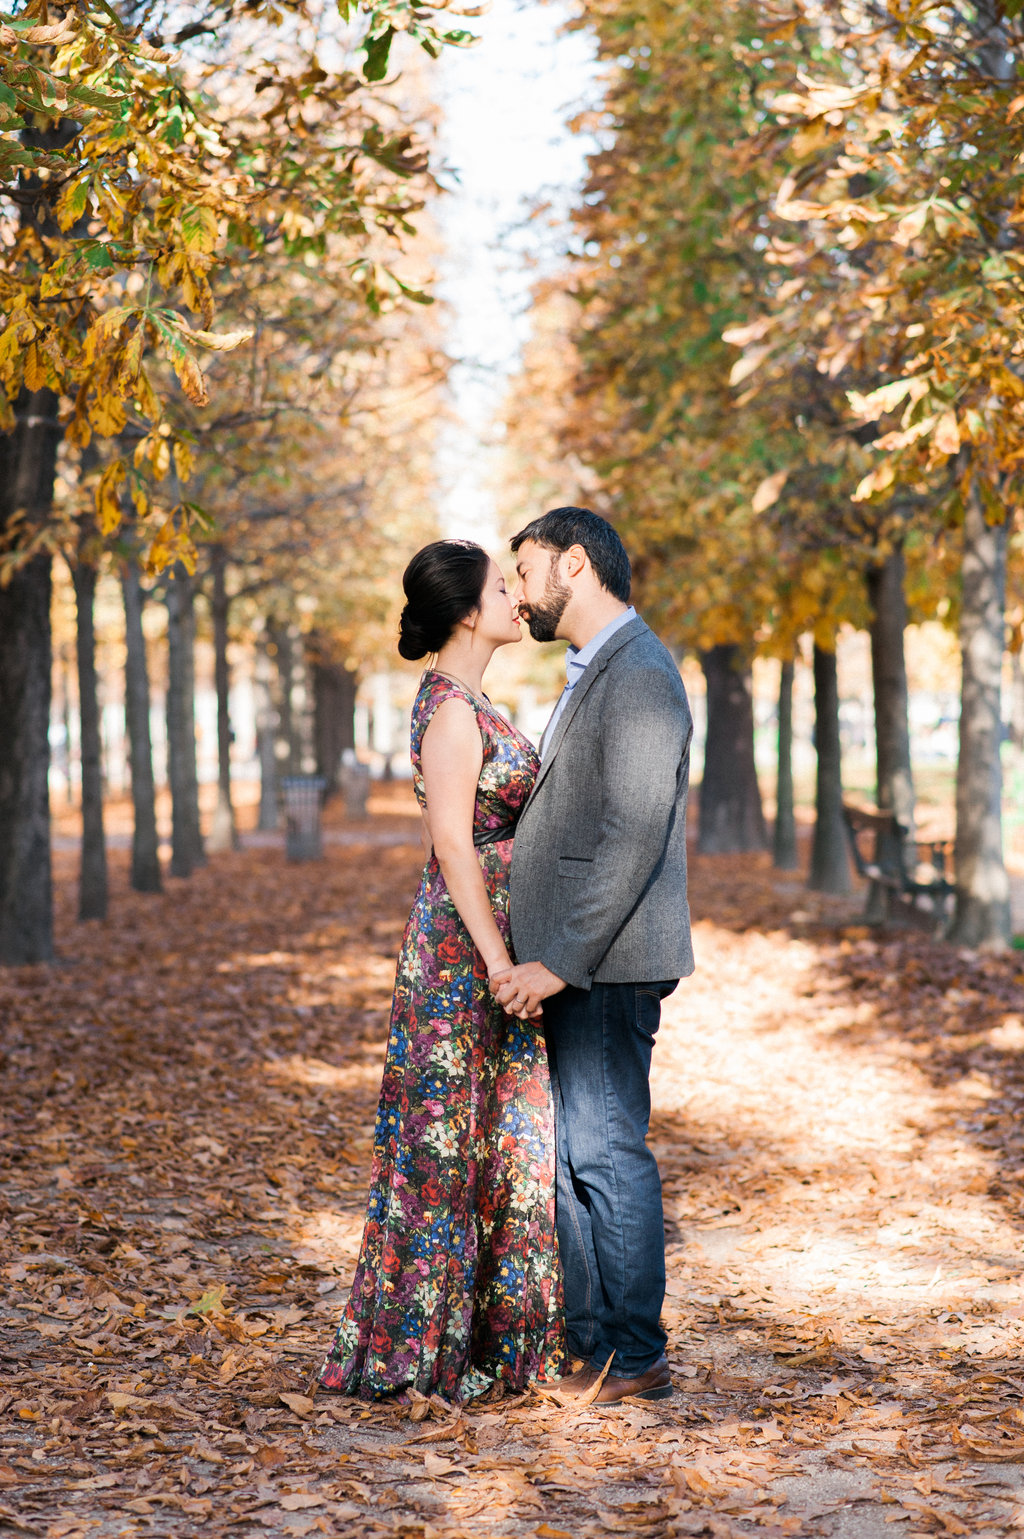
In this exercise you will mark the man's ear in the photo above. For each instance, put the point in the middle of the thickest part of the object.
(575, 560)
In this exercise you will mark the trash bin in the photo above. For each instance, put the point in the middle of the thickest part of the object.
(354, 778)
(303, 798)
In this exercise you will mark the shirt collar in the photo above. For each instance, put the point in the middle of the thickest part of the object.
(577, 658)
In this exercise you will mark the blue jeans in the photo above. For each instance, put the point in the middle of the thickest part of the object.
(611, 1231)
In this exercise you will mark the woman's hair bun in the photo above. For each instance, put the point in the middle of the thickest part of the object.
(413, 641)
(443, 583)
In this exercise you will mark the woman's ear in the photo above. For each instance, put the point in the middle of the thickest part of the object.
(470, 620)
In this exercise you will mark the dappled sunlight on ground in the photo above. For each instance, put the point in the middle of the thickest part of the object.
(188, 1113)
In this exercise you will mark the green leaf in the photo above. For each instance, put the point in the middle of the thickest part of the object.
(98, 257)
(211, 1302)
(90, 98)
(377, 50)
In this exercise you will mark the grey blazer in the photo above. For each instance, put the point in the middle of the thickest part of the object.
(598, 879)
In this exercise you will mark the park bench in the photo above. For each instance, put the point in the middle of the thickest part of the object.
(913, 872)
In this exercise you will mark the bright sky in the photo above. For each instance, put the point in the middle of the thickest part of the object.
(506, 103)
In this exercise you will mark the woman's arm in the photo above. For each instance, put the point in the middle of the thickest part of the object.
(451, 756)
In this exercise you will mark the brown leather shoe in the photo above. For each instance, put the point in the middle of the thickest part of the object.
(654, 1384)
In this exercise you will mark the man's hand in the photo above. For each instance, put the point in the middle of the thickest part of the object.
(521, 989)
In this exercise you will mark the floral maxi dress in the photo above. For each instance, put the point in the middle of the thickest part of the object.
(458, 1285)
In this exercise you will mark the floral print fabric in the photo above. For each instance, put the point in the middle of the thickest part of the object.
(458, 1285)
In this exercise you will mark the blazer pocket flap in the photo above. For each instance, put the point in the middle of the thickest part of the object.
(575, 865)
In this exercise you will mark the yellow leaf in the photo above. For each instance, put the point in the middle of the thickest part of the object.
(107, 414)
(768, 492)
(73, 201)
(108, 504)
(199, 229)
(35, 372)
(145, 397)
(190, 376)
(78, 430)
(217, 342)
(946, 437)
(1014, 107)
(183, 459)
(874, 482)
(300, 1404)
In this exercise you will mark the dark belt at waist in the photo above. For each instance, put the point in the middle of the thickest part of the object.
(484, 836)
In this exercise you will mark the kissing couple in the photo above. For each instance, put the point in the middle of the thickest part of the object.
(514, 1231)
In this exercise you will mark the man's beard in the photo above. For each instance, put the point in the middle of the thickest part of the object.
(542, 619)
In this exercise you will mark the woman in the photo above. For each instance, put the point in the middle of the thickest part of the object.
(457, 1287)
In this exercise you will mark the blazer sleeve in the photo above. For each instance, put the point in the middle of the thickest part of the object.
(645, 751)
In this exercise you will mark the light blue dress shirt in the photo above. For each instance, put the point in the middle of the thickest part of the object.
(576, 662)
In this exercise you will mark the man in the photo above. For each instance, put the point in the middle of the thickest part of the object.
(601, 927)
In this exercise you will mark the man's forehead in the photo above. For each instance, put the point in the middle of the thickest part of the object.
(528, 551)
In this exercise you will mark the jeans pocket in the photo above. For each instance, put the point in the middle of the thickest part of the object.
(647, 1011)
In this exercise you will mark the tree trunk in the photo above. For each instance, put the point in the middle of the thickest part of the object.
(186, 838)
(28, 466)
(893, 778)
(830, 863)
(224, 833)
(731, 817)
(982, 915)
(146, 876)
(784, 856)
(266, 737)
(334, 703)
(1015, 714)
(281, 649)
(28, 460)
(26, 898)
(92, 881)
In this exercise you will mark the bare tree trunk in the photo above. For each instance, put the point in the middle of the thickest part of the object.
(894, 778)
(26, 898)
(28, 459)
(982, 914)
(1015, 714)
(731, 817)
(830, 863)
(784, 849)
(186, 839)
(281, 649)
(334, 701)
(266, 738)
(146, 876)
(92, 882)
(224, 833)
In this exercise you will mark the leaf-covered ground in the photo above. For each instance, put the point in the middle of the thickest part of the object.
(186, 1117)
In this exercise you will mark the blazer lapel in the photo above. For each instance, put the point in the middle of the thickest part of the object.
(596, 666)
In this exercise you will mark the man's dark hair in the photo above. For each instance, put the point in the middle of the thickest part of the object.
(564, 527)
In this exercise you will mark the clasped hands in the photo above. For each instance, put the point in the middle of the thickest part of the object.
(520, 990)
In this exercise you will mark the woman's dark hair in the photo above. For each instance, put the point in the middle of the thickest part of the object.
(443, 583)
(562, 528)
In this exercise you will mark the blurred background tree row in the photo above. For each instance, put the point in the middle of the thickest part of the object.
(786, 355)
(210, 227)
(780, 349)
